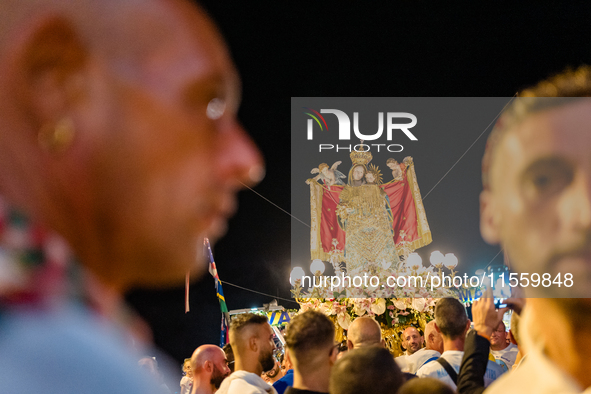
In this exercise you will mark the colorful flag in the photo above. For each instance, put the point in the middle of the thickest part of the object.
(224, 339)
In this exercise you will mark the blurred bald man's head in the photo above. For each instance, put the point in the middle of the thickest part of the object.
(364, 331)
(111, 112)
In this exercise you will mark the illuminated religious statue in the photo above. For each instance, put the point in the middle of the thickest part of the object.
(367, 223)
(364, 214)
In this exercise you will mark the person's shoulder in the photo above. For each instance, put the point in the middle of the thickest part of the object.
(241, 386)
(82, 353)
(454, 357)
(429, 369)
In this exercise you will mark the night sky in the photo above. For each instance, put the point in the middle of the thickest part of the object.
(341, 49)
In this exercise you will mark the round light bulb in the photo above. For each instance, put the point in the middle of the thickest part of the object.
(317, 265)
(436, 258)
(296, 273)
(414, 260)
(451, 261)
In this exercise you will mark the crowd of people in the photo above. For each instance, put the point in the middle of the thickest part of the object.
(314, 363)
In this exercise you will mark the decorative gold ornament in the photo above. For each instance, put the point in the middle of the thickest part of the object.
(361, 157)
(58, 137)
(375, 171)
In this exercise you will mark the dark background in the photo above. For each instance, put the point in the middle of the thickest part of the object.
(353, 49)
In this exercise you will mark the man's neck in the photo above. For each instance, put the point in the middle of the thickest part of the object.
(570, 356)
(453, 344)
(202, 386)
(499, 346)
(316, 381)
(248, 366)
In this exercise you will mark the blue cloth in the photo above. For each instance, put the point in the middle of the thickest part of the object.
(66, 352)
(282, 384)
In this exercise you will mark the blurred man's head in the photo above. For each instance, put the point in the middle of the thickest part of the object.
(209, 366)
(433, 338)
(369, 369)
(413, 340)
(451, 319)
(364, 331)
(536, 200)
(310, 340)
(150, 366)
(498, 338)
(252, 341)
(425, 385)
(536, 203)
(118, 130)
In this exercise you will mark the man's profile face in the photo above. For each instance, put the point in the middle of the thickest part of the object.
(267, 345)
(220, 369)
(172, 154)
(539, 205)
(413, 340)
(499, 337)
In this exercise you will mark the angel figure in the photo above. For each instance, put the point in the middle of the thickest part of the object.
(330, 176)
(396, 170)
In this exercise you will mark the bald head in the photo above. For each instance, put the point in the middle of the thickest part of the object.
(209, 366)
(433, 338)
(110, 112)
(364, 331)
(413, 339)
(205, 353)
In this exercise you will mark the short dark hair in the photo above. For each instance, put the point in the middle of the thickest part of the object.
(451, 317)
(425, 385)
(307, 331)
(366, 369)
(246, 319)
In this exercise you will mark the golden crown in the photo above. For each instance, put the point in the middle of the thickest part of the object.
(361, 157)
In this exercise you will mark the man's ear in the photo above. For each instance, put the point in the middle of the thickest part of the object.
(253, 344)
(383, 343)
(437, 328)
(51, 64)
(349, 345)
(467, 326)
(489, 218)
(208, 366)
(334, 352)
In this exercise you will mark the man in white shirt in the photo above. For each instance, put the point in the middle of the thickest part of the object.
(504, 353)
(452, 322)
(432, 351)
(251, 338)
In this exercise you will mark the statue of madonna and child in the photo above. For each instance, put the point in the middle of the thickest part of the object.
(366, 223)
(365, 215)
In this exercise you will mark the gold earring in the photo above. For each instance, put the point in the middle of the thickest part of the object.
(58, 137)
